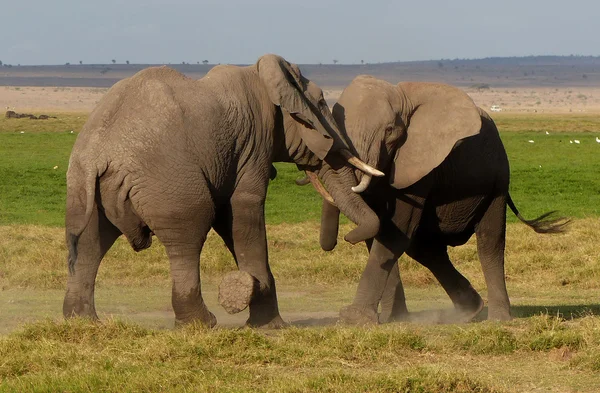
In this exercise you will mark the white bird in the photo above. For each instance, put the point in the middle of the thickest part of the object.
(547, 133)
(531, 141)
(576, 141)
(570, 141)
(22, 132)
(55, 167)
(597, 139)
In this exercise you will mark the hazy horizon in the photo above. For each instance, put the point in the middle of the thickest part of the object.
(307, 32)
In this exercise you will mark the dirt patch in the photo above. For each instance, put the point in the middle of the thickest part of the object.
(50, 99)
(524, 99)
(512, 100)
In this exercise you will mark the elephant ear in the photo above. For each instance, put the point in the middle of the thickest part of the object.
(287, 88)
(444, 115)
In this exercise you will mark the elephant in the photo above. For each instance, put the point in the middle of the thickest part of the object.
(168, 156)
(447, 178)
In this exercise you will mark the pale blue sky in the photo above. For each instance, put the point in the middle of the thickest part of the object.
(303, 31)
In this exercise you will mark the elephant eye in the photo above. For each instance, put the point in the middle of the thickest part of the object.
(389, 129)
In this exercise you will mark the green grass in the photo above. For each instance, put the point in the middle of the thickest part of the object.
(550, 174)
(554, 174)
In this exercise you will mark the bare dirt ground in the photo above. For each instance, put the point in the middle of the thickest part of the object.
(510, 99)
(50, 99)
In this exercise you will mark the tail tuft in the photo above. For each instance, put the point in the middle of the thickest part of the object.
(544, 223)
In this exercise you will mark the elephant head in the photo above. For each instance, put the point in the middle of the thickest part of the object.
(405, 130)
(313, 141)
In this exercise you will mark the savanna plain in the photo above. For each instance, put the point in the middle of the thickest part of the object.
(551, 345)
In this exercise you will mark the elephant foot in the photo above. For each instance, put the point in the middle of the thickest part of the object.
(399, 317)
(204, 318)
(467, 303)
(266, 323)
(357, 315)
(235, 291)
(499, 315)
(79, 307)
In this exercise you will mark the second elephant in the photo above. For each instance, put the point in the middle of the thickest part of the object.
(448, 178)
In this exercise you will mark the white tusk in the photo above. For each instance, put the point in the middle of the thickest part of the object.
(314, 179)
(364, 183)
(356, 162)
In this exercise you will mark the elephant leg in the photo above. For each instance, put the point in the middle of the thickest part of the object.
(434, 256)
(406, 216)
(383, 255)
(393, 300)
(183, 247)
(182, 225)
(243, 230)
(491, 232)
(95, 240)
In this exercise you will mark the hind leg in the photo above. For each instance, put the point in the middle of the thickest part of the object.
(490, 233)
(183, 241)
(94, 242)
(434, 256)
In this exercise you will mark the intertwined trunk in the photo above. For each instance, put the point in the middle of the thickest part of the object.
(339, 182)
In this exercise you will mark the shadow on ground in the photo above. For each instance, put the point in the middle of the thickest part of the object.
(566, 311)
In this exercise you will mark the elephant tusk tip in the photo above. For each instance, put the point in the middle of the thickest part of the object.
(377, 173)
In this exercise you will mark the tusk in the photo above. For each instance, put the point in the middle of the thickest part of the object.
(356, 162)
(364, 183)
(314, 179)
(304, 181)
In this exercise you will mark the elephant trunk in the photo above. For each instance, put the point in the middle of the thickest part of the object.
(330, 222)
(338, 182)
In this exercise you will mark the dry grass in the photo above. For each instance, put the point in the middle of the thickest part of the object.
(486, 357)
(35, 257)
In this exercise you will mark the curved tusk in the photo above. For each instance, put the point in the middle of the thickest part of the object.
(356, 162)
(302, 182)
(314, 179)
(364, 183)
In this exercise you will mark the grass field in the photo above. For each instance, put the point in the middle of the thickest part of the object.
(549, 174)
(552, 345)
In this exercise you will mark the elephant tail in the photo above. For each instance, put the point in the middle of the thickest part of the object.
(544, 223)
(80, 205)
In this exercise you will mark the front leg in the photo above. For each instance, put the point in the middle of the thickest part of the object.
(393, 300)
(242, 228)
(378, 280)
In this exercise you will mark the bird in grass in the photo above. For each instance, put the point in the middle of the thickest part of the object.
(597, 139)
(576, 141)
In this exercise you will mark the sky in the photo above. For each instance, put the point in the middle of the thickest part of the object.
(302, 31)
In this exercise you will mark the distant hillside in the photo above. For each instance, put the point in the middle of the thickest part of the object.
(526, 71)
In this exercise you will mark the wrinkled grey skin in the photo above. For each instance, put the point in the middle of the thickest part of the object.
(448, 178)
(169, 156)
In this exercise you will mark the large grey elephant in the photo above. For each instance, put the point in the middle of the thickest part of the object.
(448, 178)
(166, 155)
